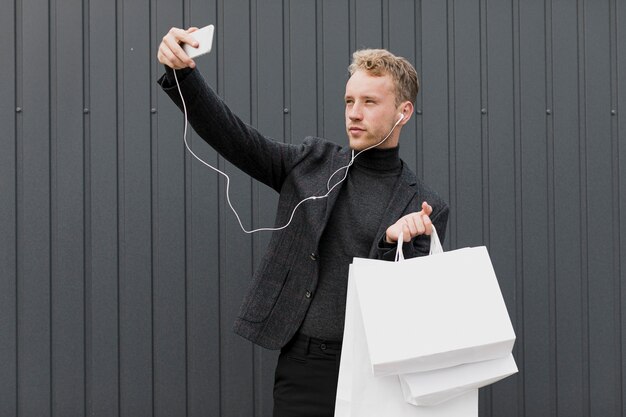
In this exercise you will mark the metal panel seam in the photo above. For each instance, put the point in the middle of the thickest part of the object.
(121, 248)
(87, 236)
(616, 201)
(583, 197)
(19, 99)
(452, 121)
(52, 123)
(519, 267)
(550, 198)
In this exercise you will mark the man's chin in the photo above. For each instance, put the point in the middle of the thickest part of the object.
(358, 144)
(355, 146)
(361, 145)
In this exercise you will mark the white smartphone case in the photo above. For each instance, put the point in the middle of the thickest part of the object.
(204, 37)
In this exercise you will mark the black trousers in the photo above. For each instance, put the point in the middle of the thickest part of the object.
(306, 378)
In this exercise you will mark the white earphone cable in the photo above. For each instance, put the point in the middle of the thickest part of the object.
(328, 187)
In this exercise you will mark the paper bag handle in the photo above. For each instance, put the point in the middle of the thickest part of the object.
(435, 245)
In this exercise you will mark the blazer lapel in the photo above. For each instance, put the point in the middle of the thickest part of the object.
(402, 195)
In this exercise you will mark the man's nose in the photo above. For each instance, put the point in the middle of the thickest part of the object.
(354, 113)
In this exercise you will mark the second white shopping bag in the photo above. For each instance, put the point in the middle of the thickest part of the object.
(432, 312)
(434, 387)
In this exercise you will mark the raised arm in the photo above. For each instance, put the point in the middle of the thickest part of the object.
(264, 159)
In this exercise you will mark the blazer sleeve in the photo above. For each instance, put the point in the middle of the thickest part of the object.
(262, 158)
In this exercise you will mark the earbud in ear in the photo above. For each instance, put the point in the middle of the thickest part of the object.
(401, 117)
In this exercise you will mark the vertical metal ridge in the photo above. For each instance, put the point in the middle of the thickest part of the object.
(87, 235)
(616, 204)
(319, 54)
(255, 189)
(187, 217)
(254, 71)
(219, 8)
(355, 22)
(352, 27)
(584, 204)
(219, 88)
(484, 122)
(550, 191)
(519, 252)
(221, 187)
(188, 270)
(419, 131)
(252, 186)
(618, 7)
(484, 97)
(287, 70)
(121, 217)
(52, 191)
(187, 232)
(385, 24)
(452, 120)
(154, 211)
(16, 142)
(285, 60)
(19, 192)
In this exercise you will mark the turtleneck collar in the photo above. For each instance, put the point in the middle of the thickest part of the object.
(380, 160)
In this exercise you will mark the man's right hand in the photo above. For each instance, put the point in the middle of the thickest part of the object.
(170, 51)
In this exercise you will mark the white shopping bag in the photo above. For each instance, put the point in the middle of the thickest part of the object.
(432, 312)
(435, 387)
(361, 394)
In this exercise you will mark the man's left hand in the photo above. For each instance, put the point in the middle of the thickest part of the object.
(411, 225)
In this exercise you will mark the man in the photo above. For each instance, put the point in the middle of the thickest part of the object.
(297, 299)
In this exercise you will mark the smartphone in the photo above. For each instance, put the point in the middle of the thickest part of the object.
(204, 37)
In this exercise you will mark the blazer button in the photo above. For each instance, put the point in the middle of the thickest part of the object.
(313, 256)
(308, 294)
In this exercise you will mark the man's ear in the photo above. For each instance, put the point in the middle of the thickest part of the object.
(406, 109)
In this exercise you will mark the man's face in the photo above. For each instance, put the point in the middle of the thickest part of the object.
(371, 111)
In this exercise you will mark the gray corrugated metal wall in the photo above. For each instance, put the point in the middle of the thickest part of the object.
(121, 268)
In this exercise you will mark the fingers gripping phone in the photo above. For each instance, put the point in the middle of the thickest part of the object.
(204, 37)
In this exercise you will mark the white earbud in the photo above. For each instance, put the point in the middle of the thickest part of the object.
(401, 117)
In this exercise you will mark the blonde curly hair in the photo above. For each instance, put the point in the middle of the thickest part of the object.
(379, 62)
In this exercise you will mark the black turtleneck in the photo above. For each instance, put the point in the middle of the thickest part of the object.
(350, 232)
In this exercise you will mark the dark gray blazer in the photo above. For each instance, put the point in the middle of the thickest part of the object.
(283, 285)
